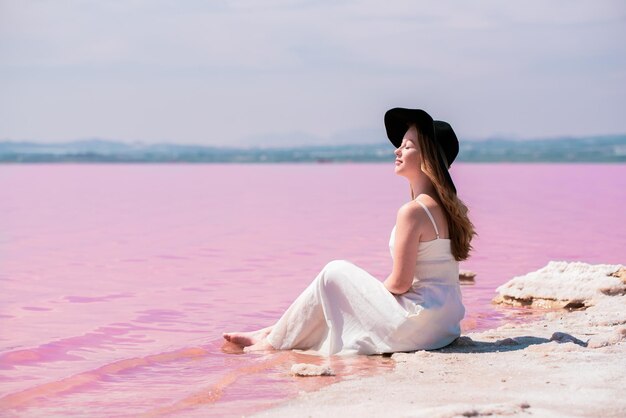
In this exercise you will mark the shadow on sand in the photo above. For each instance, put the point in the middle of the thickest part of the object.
(465, 344)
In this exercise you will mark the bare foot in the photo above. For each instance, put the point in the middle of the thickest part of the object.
(243, 339)
(262, 345)
(246, 339)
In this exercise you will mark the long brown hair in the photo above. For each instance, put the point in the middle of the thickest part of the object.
(461, 228)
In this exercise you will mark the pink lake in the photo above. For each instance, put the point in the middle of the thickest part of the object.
(118, 280)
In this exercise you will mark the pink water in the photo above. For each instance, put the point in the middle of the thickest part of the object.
(118, 280)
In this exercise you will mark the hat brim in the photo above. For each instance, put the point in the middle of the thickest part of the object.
(396, 125)
(398, 118)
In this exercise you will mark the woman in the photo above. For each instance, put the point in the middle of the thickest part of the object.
(346, 310)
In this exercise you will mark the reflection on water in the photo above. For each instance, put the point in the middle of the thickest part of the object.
(118, 280)
(188, 379)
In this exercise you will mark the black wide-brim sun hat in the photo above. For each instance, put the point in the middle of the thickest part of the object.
(438, 131)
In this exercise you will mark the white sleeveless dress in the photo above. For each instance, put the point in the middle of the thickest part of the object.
(345, 310)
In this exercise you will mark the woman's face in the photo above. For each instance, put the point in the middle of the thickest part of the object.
(408, 158)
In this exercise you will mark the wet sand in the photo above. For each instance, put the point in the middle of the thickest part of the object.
(571, 362)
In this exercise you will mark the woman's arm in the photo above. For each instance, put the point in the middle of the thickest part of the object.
(405, 248)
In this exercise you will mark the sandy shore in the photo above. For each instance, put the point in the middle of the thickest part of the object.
(569, 363)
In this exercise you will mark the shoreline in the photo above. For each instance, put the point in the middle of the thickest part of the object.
(570, 362)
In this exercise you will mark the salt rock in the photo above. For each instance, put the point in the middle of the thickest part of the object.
(305, 369)
(620, 274)
(474, 410)
(608, 311)
(466, 275)
(422, 353)
(554, 346)
(400, 357)
(602, 341)
(563, 284)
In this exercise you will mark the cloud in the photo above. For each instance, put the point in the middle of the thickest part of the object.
(233, 70)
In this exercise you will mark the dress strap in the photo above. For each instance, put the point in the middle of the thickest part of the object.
(430, 216)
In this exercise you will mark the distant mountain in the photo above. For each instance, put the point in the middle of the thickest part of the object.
(610, 148)
(287, 139)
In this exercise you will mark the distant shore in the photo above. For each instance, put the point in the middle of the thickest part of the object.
(570, 363)
(605, 149)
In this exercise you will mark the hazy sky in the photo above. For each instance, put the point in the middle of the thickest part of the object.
(271, 71)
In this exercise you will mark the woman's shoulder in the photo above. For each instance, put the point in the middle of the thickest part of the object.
(413, 213)
(410, 212)
(415, 206)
